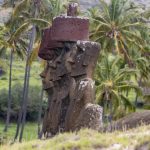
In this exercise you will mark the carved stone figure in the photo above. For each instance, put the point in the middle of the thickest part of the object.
(67, 78)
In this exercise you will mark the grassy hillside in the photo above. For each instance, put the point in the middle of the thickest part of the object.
(18, 74)
(30, 132)
(90, 140)
(18, 77)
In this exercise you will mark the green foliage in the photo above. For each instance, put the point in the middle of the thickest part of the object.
(3, 67)
(118, 28)
(29, 134)
(18, 73)
(113, 81)
(121, 29)
(33, 102)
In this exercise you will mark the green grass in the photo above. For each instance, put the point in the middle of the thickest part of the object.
(18, 71)
(89, 140)
(30, 132)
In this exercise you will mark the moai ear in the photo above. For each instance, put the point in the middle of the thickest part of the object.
(86, 60)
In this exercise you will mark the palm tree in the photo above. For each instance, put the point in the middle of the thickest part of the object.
(52, 8)
(27, 20)
(40, 114)
(116, 26)
(17, 40)
(22, 113)
(17, 46)
(143, 67)
(2, 38)
(113, 80)
(25, 8)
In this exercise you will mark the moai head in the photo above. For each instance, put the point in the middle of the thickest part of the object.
(48, 46)
(85, 59)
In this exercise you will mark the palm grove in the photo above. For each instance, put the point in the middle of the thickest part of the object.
(122, 29)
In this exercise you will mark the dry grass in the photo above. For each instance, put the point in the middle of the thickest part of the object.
(90, 140)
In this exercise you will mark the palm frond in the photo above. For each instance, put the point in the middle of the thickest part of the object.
(21, 6)
(19, 31)
(39, 22)
(127, 103)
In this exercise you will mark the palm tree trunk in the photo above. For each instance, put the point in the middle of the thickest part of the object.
(9, 93)
(25, 98)
(24, 108)
(40, 114)
(26, 85)
(136, 98)
(21, 104)
(127, 93)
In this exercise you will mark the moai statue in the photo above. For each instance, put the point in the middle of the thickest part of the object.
(68, 76)
(83, 89)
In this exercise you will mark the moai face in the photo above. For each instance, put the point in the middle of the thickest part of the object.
(91, 53)
(85, 59)
(70, 55)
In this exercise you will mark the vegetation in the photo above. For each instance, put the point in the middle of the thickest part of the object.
(124, 38)
(32, 107)
(24, 20)
(6, 138)
(122, 71)
(113, 83)
(90, 140)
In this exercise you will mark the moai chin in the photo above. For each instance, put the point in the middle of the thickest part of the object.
(68, 76)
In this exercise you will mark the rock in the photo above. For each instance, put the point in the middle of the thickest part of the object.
(90, 117)
(131, 121)
(144, 146)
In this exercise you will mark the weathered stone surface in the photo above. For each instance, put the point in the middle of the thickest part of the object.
(82, 93)
(68, 76)
(143, 146)
(66, 28)
(48, 46)
(68, 95)
(72, 9)
(131, 121)
(86, 58)
(90, 117)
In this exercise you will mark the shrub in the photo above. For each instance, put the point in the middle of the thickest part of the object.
(33, 102)
(3, 67)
